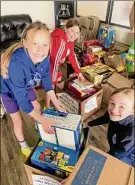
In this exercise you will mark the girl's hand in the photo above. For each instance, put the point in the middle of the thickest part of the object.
(47, 126)
(81, 77)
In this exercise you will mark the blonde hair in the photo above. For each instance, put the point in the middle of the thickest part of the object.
(126, 91)
(6, 56)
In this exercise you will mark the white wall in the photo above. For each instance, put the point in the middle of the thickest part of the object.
(38, 10)
(98, 8)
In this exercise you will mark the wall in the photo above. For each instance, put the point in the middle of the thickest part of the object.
(98, 8)
(38, 10)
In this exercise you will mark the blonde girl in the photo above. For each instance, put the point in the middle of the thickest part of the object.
(24, 66)
(120, 116)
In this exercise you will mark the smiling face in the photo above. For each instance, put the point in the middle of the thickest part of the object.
(37, 43)
(72, 33)
(120, 107)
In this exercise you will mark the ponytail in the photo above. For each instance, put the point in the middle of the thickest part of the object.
(5, 58)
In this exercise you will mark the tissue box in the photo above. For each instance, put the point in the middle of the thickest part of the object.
(66, 125)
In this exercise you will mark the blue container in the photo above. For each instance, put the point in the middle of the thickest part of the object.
(107, 37)
(53, 158)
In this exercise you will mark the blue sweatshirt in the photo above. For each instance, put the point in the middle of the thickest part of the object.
(120, 137)
(23, 74)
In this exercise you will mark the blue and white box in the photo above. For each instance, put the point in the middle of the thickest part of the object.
(68, 129)
(107, 37)
(51, 157)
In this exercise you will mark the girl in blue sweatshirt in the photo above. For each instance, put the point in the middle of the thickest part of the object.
(24, 66)
(120, 116)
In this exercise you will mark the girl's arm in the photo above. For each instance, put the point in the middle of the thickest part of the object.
(100, 121)
(125, 141)
(47, 85)
(55, 101)
(74, 62)
(46, 124)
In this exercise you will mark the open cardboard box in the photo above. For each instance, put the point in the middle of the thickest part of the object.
(86, 107)
(115, 81)
(32, 169)
(96, 167)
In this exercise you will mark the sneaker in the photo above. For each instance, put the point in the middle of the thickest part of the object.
(26, 151)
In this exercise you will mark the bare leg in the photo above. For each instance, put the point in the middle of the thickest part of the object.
(17, 125)
(17, 121)
(18, 129)
(38, 109)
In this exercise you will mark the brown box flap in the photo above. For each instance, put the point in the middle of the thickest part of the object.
(119, 81)
(131, 179)
(113, 172)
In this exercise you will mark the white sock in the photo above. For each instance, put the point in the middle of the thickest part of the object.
(23, 144)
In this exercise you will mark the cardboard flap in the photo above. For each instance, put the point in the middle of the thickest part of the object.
(131, 179)
(118, 81)
(96, 167)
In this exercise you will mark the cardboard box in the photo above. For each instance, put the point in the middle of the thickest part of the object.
(67, 125)
(55, 159)
(131, 179)
(31, 169)
(115, 81)
(96, 167)
(84, 108)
